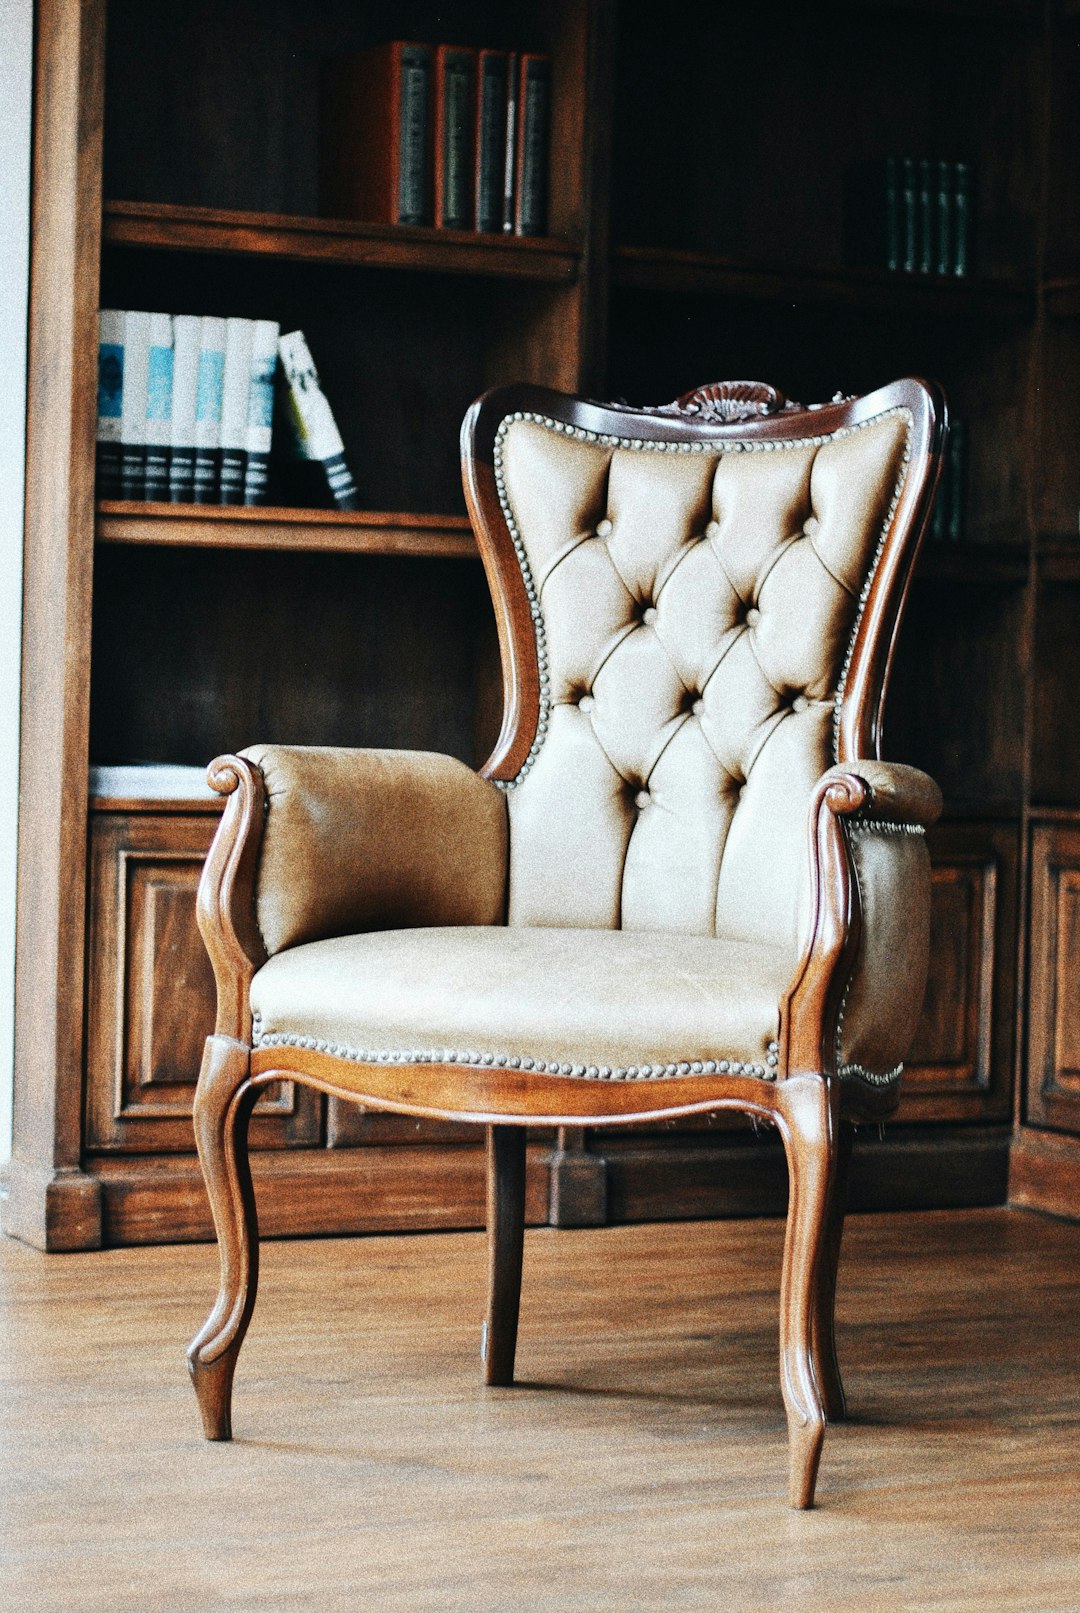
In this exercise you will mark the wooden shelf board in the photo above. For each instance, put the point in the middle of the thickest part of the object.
(266, 527)
(654, 269)
(334, 240)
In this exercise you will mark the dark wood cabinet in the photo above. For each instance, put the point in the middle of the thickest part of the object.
(693, 236)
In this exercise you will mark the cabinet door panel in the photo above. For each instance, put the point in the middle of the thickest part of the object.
(151, 991)
(1053, 1061)
(961, 1061)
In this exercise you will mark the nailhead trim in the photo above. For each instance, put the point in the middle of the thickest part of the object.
(504, 1061)
(859, 1072)
(855, 1072)
(883, 826)
(637, 445)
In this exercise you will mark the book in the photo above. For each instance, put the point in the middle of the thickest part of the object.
(313, 420)
(159, 390)
(909, 215)
(133, 404)
(927, 225)
(943, 242)
(510, 146)
(208, 408)
(187, 330)
(109, 400)
(962, 207)
(533, 132)
(260, 415)
(890, 178)
(492, 67)
(453, 122)
(375, 135)
(235, 390)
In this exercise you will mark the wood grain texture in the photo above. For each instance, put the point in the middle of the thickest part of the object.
(638, 1464)
(265, 527)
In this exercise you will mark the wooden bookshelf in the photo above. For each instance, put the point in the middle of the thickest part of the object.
(701, 273)
(330, 240)
(375, 532)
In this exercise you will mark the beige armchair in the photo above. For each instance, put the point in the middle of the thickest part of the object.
(684, 882)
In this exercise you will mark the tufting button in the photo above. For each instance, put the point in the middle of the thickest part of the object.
(698, 707)
(800, 703)
(648, 615)
(753, 616)
(713, 529)
(586, 703)
(641, 799)
(603, 529)
(810, 526)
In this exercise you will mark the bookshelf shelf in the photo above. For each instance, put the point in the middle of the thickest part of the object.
(654, 269)
(332, 240)
(278, 528)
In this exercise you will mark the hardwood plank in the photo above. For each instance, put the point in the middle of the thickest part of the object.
(639, 1463)
(273, 527)
(337, 240)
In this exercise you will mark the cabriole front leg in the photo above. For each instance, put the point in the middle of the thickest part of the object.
(806, 1125)
(224, 1099)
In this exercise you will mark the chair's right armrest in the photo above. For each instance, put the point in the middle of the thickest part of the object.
(317, 842)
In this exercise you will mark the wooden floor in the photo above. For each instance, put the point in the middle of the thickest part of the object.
(640, 1466)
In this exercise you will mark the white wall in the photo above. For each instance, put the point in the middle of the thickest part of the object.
(16, 58)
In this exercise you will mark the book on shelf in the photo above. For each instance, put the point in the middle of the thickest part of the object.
(208, 401)
(260, 409)
(133, 403)
(235, 391)
(375, 135)
(454, 126)
(531, 161)
(109, 400)
(510, 143)
(187, 330)
(492, 87)
(909, 215)
(159, 390)
(317, 436)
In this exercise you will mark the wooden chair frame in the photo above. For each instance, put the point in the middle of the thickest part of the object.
(812, 1108)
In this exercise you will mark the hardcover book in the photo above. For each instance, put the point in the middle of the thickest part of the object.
(375, 135)
(313, 420)
(235, 387)
(133, 404)
(208, 408)
(260, 416)
(110, 400)
(455, 130)
(159, 397)
(186, 340)
(533, 133)
(492, 68)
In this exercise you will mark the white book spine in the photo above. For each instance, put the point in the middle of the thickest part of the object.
(133, 408)
(208, 408)
(186, 339)
(260, 418)
(159, 396)
(236, 385)
(110, 400)
(314, 420)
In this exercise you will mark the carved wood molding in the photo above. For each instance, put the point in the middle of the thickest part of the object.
(724, 402)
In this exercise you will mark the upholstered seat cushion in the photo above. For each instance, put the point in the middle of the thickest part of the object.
(591, 1002)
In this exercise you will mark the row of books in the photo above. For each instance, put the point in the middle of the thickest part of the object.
(437, 134)
(186, 408)
(948, 521)
(910, 215)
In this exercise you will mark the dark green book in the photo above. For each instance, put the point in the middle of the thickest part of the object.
(962, 208)
(491, 97)
(534, 118)
(943, 245)
(909, 215)
(891, 206)
(455, 127)
(927, 212)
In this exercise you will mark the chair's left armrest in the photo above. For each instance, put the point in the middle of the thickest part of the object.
(855, 1000)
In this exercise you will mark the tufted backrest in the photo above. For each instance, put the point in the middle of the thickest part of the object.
(694, 604)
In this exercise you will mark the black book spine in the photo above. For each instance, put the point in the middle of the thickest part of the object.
(943, 255)
(491, 136)
(535, 122)
(891, 202)
(181, 474)
(414, 202)
(909, 215)
(456, 136)
(927, 211)
(510, 150)
(961, 264)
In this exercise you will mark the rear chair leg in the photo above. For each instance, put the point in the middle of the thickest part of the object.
(506, 1236)
(826, 1366)
(806, 1125)
(224, 1099)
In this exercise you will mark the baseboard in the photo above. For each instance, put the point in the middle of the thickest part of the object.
(906, 1168)
(1044, 1172)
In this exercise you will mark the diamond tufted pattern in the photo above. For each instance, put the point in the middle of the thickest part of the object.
(695, 612)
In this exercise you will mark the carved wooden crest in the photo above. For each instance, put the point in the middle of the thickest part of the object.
(723, 402)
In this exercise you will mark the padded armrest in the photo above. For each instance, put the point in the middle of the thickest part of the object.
(884, 997)
(374, 840)
(898, 793)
